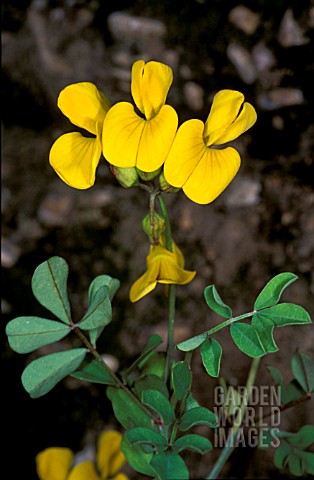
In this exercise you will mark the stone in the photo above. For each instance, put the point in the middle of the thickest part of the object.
(193, 96)
(241, 58)
(10, 253)
(243, 192)
(244, 19)
(263, 57)
(290, 33)
(280, 97)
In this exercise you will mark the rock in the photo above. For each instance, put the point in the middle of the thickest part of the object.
(290, 33)
(244, 19)
(241, 58)
(193, 95)
(280, 97)
(10, 253)
(263, 58)
(55, 208)
(146, 33)
(243, 192)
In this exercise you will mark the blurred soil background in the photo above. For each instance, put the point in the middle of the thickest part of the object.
(263, 224)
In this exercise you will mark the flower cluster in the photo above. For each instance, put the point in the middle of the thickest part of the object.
(56, 463)
(192, 155)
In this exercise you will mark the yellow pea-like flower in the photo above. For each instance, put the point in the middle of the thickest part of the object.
(55, 463)
(164, 267)
(143, 140)
(194, 163)
(73, 156)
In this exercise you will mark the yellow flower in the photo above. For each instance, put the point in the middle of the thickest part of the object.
(73, 156)
(55, 463)
(131, 140)
(194, 163)
(163, 266)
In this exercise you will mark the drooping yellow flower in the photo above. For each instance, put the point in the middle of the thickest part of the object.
(55, 463)
(131, 140)
(163, 266)
(73, 156)
(194, 163)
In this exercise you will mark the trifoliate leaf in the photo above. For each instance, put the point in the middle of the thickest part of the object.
(272, 292)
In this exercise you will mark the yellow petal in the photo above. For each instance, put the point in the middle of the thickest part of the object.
(110, 458)
(156, 140)
(129, 140)
(186, 151)
(120, 476)
(145, 284)
(75, 159)
(84, 105)
(242, 123)
(214, 172)
(54, 463)
(84, 471)
(150, 86)
(168, 266)
(122, 131)
(224, 111)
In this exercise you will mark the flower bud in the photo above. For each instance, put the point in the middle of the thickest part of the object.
(127, 177)
(165, 186)
(153, 226)
(148, 176)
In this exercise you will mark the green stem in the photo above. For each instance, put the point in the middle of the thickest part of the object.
(231, 440)
(172, 292)
(111, 373)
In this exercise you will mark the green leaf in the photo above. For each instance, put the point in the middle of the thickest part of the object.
(126, 410)
(197, 416)
(152, 343)
(193, 442)
(148, 382)
(103, 280)
(181, 377)
(93, 372)
(211, 352)
(271, 293)
(247, 339)
(142, 435)
(286, 314)
(281, 455)
(214, 302)
(295, 465)
(192, 343)
(40, 376)
(264, 329)
(302, 367)
(159, 404)
(276, 375)
(303, 438)
(49, 285)
(191, 402)
(26, 334)
(155, 365)
(292, 392)
(99, 312)
(308, 462)
(137, 458)
(170, 466)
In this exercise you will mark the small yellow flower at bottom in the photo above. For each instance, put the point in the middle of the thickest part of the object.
(55, 463)
(164, 267)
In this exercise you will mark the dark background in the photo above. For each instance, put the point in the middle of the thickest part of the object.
(263, 224)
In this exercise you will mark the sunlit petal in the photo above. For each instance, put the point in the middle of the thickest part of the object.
(54, 463)
(150, 86)
(224, 110)
(84, 471)
(212, 175)
(110, 458)
(186, 152)
(242, 123)
(84, 105)
(129, 140)
(120, 476)
(156, 139)
(144, 285)
(122, 131)
(75, 159)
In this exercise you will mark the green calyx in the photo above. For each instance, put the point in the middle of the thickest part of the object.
(165, 186)
(153, 225)
(127, 177)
